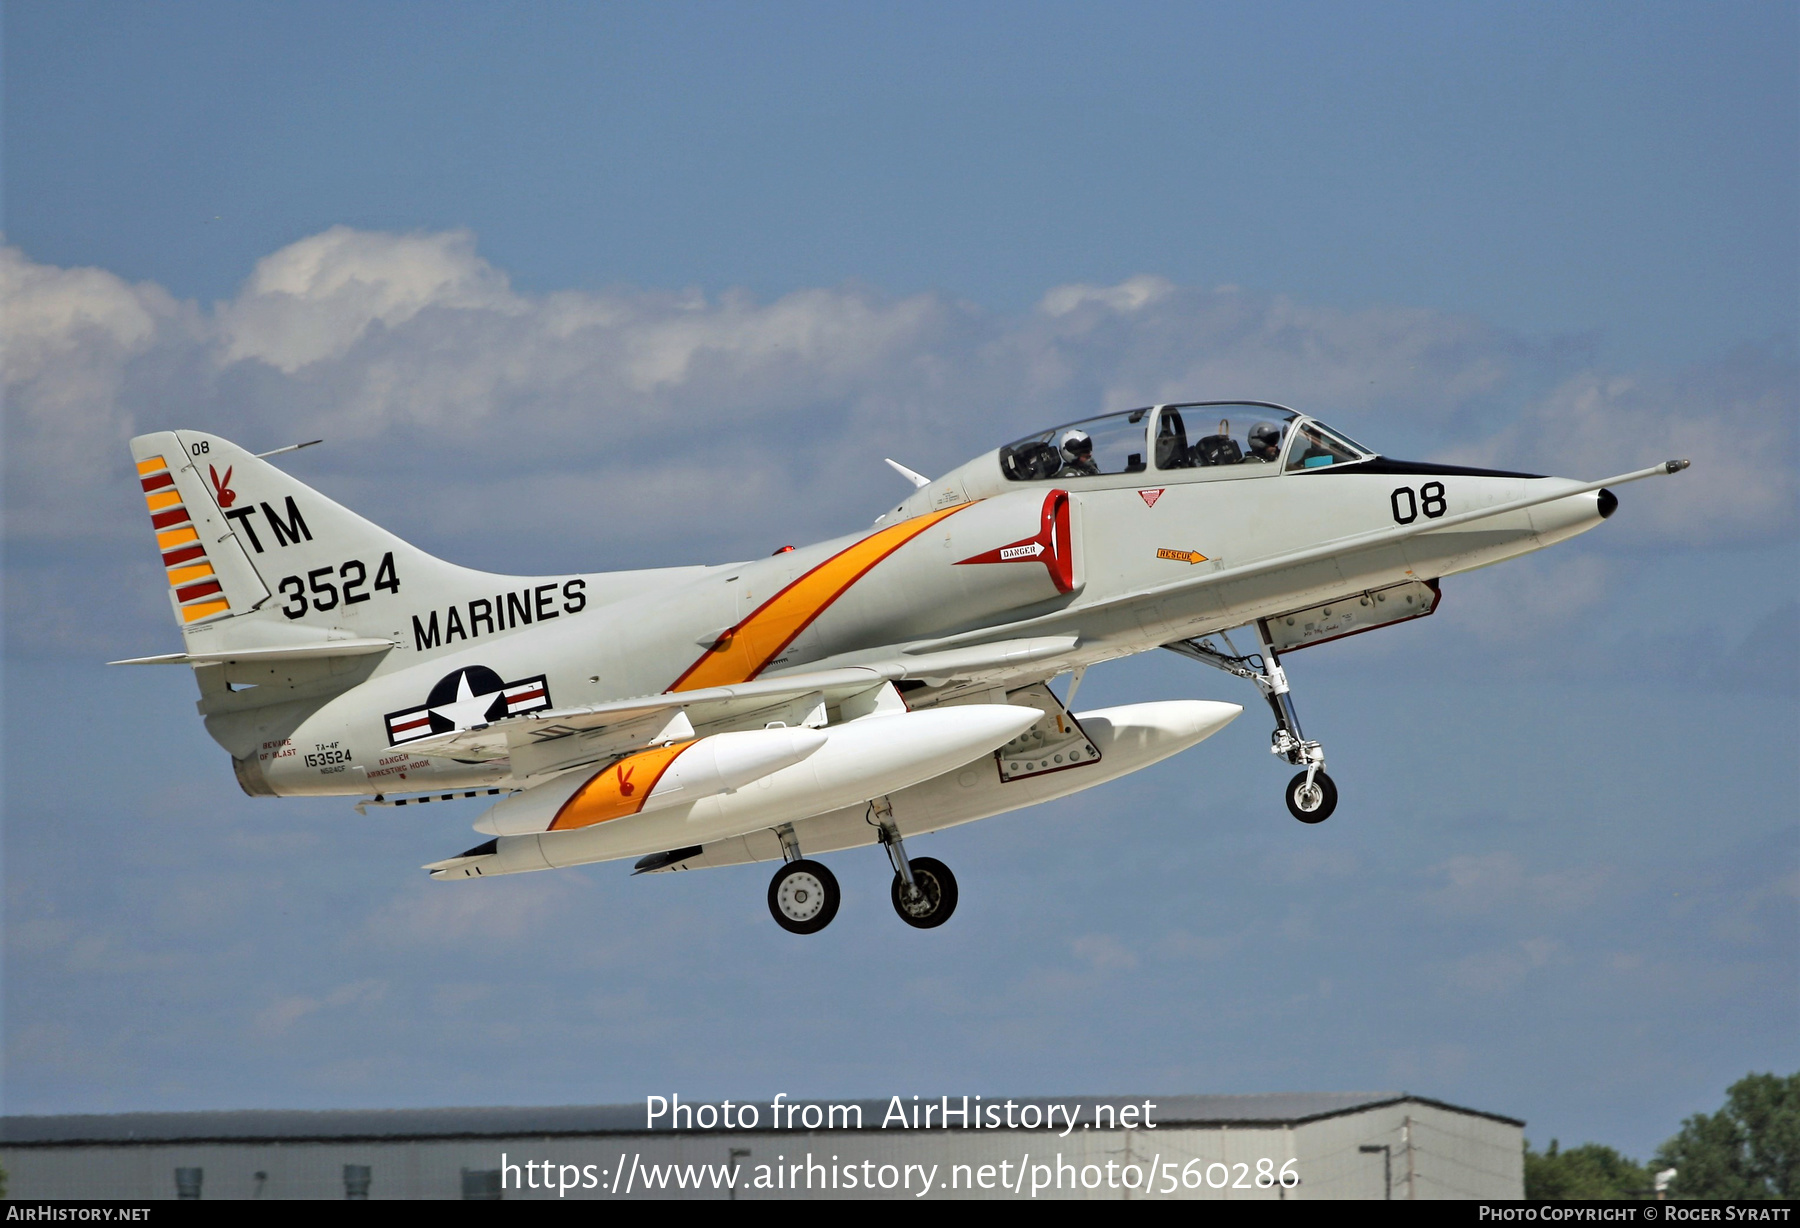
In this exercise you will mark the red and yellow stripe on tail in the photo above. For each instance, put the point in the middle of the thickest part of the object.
(198, 593)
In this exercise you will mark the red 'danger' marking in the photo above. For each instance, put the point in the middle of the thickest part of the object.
(1052, 546)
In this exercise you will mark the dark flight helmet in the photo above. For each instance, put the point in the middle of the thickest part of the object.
(1263, 436)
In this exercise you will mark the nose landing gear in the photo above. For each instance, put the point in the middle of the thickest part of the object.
(1311, 795)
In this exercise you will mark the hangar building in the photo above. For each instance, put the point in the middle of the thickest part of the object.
(1276, 1146)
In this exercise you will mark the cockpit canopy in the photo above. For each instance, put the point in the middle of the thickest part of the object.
(1235, 438)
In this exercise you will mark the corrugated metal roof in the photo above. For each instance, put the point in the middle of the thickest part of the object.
(247, 1125)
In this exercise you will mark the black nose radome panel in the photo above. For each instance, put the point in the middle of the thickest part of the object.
(1609, 503)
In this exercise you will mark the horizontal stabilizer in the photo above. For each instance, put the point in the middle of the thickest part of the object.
(284, 652)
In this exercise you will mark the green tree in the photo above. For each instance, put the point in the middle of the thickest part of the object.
(1748, 1149)
(1591, 1170)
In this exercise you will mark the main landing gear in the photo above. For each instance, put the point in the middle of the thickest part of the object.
(924, 890)
(804, 895)
(1311, 794)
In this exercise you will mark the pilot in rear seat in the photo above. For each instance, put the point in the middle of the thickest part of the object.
(1316, 453)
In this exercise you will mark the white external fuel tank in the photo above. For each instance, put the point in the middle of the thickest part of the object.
(587, 820)
(652, 780)
(1129, 738)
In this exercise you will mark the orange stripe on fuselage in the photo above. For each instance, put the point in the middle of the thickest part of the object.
(746, 650)
(619, 791)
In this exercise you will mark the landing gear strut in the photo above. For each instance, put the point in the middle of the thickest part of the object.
(803, 895)
(924, 890)
(1311, 795)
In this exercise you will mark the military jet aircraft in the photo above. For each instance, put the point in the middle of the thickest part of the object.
(865, 690)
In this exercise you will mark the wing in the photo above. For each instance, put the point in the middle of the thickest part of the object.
(543, 744)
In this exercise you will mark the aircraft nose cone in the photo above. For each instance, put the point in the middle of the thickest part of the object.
(1609, 503)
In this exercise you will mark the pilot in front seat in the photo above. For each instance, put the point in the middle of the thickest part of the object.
(1078, 455)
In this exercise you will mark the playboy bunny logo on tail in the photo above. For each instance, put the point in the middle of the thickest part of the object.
(222, 486)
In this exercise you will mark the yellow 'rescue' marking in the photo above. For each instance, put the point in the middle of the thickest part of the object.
(184, 575)
(618, 791)
(1182, 556)
(190, 613)
(746, 650)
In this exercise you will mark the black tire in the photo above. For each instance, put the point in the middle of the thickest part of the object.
(1327, 798)
(933, 878)
(804, 897)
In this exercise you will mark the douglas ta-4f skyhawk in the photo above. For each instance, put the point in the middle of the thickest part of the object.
(864, 690)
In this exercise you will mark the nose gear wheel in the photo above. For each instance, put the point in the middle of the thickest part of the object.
(1311, 801)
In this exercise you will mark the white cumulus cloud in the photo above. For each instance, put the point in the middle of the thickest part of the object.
(627, 427)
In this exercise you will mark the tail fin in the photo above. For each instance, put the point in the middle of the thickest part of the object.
(256, 558)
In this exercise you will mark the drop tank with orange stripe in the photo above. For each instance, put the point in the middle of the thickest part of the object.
(651, 780)
(857, 760)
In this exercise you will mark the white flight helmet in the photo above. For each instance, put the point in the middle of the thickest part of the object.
(1076, 445)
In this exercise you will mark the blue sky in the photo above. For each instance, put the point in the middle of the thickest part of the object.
(485, 250)
(1617, 169)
